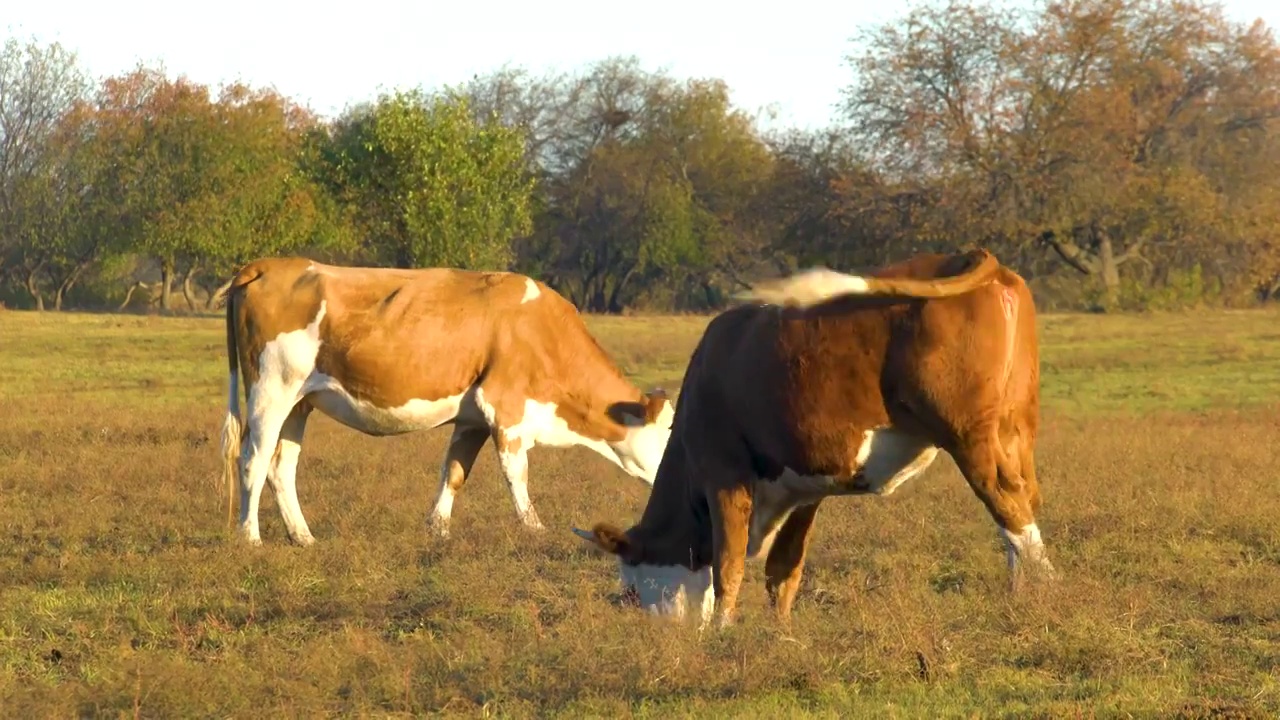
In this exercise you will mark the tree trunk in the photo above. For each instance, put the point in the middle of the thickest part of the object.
(65, 286)
(1272, 288)
(613, 306)
(33, 287)
(1109, 269)
(597, 303)
(129, 295)
(404, 259)
(188, 292)
(710, 296)
(166, 285)
(215, 294)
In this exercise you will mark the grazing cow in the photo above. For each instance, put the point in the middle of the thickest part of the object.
(846, 385)
(389, 351)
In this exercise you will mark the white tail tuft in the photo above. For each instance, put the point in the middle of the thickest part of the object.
(806, 288)
(231, 448)
(231, 426)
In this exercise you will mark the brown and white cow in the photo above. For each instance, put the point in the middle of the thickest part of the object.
(389, 351)
(844, 385)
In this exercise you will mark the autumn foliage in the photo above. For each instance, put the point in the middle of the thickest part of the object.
(1120, 153)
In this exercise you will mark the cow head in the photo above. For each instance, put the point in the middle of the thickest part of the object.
(662, 588)
(647, 425)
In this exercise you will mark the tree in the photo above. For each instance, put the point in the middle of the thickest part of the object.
(38, 86)
(260, 198)
(649, 187)
(197, 184)
(429, 184)
(1091, 128)
(77, 204)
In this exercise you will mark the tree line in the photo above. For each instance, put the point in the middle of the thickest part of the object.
(1119, 153)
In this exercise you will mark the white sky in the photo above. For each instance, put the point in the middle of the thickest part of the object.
(791, 55)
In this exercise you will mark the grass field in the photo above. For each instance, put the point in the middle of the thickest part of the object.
(123, 593)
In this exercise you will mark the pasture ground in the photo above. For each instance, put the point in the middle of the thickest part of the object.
(123, 594)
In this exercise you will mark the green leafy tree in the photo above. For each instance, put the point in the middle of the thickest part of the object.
(39, 85)
(650, 188)
(198, 184)
(429, 184)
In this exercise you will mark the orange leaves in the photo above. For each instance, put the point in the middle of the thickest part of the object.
(1100, 118)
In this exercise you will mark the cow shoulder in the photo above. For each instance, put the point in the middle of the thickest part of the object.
(731, 379)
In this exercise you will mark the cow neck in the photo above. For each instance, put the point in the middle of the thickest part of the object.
(675, 526)
(592, 387)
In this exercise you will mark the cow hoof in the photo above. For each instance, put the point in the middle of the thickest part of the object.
(303, 540)
(439, 527)
(1032, 576)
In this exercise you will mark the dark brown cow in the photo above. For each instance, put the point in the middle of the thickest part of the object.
(390, 351)
(846, 386)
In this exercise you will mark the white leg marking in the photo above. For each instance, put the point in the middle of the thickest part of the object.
(443, 511)
(1027, 548)
(515, 467)
(638, 454)
(531, 291)
(283, 367)
(256, 458)
(283, 478)
(459, 458)
(538, 425)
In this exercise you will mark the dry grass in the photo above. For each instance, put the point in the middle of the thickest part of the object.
(124, 595)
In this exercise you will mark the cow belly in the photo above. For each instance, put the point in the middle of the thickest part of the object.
(888, 457)
(327, 395)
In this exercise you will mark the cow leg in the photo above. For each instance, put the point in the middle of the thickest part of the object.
(1025, 454)
(267, 415)
(1020, 454)
(284, 471)
(995, 478)
(785, 564)
(459, 458)
(730, 507)
(513, 457)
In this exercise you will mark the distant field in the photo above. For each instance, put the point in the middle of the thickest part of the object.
(123, 593)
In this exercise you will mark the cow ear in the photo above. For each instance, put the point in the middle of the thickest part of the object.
(628, 414)
(608, 538)
(645, 412)
(654, 403)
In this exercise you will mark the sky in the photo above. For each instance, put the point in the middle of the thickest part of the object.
(791, 57)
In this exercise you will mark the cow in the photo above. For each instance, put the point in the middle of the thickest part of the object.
(828, 384)
(390, 351)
